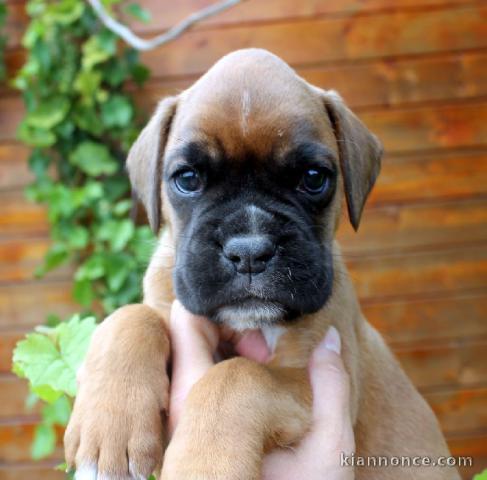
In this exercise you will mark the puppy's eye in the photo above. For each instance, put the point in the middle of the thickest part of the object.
(188, 181)
(314, 181)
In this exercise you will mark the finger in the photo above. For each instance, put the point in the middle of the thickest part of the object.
(329, 380)
(332, 429)
(194, 341)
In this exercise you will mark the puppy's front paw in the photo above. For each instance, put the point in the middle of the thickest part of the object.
(114, 435)
(116, 429)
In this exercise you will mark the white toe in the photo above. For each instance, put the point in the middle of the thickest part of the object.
(86, 472)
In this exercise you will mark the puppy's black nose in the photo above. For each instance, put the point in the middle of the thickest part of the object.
(249, 253)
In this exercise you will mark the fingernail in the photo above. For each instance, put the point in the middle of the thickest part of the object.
(331, 341)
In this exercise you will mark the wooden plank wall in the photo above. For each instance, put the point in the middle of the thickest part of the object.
(416, 73)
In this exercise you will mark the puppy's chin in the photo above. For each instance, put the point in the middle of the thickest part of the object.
(250, 314)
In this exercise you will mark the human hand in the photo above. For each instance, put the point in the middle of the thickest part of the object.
(319, 453)
(194, 344)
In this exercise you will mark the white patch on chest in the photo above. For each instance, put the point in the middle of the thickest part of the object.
(272, 333)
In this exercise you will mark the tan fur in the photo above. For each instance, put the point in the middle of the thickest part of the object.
(240, 410)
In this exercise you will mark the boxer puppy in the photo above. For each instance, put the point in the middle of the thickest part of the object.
(248, 169)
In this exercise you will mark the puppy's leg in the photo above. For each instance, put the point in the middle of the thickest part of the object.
(116, 429)
(235, 413)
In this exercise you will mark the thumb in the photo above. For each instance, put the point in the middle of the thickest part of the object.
(319, 453)
(332, 425)
(194, 340)
(329, 379)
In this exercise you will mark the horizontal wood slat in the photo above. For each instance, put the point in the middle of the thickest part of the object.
(12, 113)
(28, 304)
(272, 10)
(15, 440)
(470, 446)
(14, 394)
(247, 12)
(464, 408)
(454, 175)
(329, 40)
(31, 471)
(406, 228)
(419, 274)
(456, 364)
(14, 169)
(427, 128)
(8, 340)
(19, 259)
(431, 319)
(20, 216)
(387, 34)
(386, 82)
(393, 82)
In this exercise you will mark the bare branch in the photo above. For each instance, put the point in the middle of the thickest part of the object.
(139, 43)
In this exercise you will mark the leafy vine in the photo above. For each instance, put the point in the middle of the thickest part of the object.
(79, 122)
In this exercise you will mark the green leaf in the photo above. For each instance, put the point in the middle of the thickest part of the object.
(140, 73)
(481, 476)
(116, 186)
(65, 12)
(117, 111)
(92, 268)
(87, 83)
(35, 137)
(143, 244)
(138, 12)
(39, 162)
(34, 32)
(44, 441)
(117, 233)
(93, 159)
(83, 292)
(98, 49)
(57, 413)
(52, 320)
(56, 255)
(50, 361)
(118, 267)
(48, 114)
(76, 236)
(122, 207)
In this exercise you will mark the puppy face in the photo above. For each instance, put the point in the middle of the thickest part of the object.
(251, 159)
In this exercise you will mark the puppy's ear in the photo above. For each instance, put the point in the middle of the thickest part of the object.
(144, 162)
(360, 155)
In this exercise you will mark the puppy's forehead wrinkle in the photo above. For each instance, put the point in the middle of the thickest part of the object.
(254, 102)
(245, 110)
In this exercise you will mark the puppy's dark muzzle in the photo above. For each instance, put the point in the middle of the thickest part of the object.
(250, 254)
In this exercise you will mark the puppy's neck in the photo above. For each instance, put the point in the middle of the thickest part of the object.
(157, 285)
